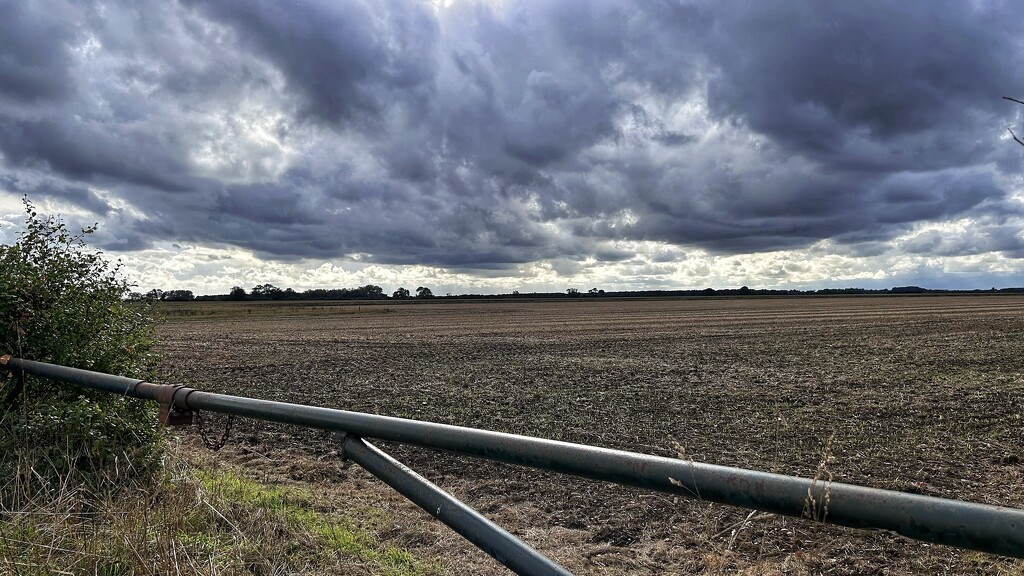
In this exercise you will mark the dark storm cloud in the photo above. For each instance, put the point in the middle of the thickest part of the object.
(349, 60)
(869, 85)
(482, 135)
(33, 54)
(92, 151)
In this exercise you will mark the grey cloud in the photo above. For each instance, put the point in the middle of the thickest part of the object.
(870, 85)
(612, 255)
(126, 242)
(908, 197)
(91, 151)
(672, 138)
(865, 248)
(34, 47)
(408, 160)
(976, 240)
(348, 59)
(482, 136)
(393, 222)
(270, 205)
(114, 111)
(556, 116)
(33, 187)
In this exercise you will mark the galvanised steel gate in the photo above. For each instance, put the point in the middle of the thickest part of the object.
(993, 529)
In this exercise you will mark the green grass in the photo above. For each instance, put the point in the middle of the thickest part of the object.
(298, 511)
(197, 519)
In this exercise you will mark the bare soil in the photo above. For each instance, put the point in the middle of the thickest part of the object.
(916, 393)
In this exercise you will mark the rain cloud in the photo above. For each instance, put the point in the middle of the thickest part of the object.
(486, 136)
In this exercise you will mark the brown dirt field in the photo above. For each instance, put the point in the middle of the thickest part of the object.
(921, 394)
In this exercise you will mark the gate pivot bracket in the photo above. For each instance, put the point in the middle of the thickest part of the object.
(173, 413)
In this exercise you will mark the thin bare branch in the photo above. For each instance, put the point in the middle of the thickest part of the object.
(1012, 100)
(1015, 137)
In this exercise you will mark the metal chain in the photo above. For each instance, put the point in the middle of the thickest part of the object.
(211, 444)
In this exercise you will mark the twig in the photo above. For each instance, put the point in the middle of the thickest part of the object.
(230, 523)
(222, 517)
(1019, 141)
(142, 559)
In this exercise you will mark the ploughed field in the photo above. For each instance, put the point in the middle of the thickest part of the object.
(914, 393)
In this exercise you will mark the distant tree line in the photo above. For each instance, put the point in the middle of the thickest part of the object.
(271, 292)
(164, 295)
(745, 291)
(374, 292)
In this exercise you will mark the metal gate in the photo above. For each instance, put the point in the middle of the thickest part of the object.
(993, 529)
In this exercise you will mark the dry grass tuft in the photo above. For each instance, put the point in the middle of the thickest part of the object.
(197, 518)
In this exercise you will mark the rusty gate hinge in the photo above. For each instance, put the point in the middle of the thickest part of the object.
(172, 414)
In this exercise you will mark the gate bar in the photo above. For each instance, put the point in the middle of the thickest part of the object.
(483, 533)
(992, 529)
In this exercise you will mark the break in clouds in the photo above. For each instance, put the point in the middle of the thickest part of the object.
(487, 137)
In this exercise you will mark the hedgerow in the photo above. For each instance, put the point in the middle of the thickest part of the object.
(63, 302)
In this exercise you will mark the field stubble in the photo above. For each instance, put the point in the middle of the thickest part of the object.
(919, 394)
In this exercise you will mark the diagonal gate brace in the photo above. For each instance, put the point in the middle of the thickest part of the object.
(470, 524)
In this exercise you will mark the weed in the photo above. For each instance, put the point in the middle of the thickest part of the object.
(816, 507)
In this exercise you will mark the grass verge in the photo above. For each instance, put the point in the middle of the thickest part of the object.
(198, 518)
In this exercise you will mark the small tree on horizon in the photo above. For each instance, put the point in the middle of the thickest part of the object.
(266, 291)
(424, 292)
(177, 296)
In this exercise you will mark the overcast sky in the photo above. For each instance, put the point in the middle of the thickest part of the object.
(492, 146)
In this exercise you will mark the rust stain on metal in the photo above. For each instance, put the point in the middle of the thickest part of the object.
(172, 413)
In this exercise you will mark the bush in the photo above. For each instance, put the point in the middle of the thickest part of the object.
(63, 303)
